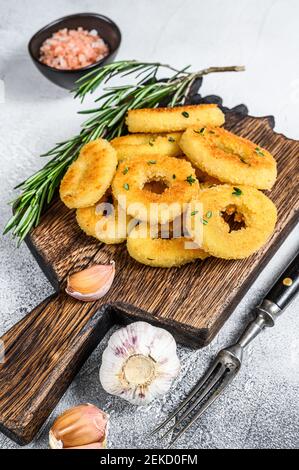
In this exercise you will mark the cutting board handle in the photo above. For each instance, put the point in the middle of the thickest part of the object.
(40, 360)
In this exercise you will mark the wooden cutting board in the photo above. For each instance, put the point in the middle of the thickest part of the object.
(45, 350)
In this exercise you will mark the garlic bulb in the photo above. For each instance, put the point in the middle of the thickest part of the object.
(139, 363)
(92, 283)
(81, 427)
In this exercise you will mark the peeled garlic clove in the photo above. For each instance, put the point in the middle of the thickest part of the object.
(96, 445)
(139, 363)
(92, 283)
(79, 426)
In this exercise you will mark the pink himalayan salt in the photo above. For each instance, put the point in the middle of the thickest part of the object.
(71, 49)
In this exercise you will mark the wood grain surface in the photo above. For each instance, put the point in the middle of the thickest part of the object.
(44, 351)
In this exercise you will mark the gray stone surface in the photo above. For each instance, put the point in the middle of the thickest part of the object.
(260, 409)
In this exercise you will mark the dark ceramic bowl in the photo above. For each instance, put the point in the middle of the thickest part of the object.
(106, 28)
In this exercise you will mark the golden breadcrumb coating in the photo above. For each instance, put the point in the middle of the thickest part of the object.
(89, 177)
(228, 157)
(108, 226)
(143, 204)
(213, 234)
(133, 145)
(161, 252)
(174, 119)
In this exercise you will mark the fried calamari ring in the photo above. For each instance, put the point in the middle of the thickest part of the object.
(133, 145)
(228, 157)
(105, 221)
(89, 177)
(161, 252)
(209, 230)
(174, 119)
(129, 188)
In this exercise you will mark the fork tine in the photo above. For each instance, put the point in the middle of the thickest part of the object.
(204, 407)
(188, 398)
(205, 390)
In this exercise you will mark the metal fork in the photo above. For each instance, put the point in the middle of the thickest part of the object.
(228, 361)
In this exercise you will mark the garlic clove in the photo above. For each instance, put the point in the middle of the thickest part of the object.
(79, 426)
(92, 283)
(139, 363)
(95, 445)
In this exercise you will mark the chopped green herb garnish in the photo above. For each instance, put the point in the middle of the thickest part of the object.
(244, 161)
(204, 221)
(211, 132)
(237, 192)
(151, 141)
(190, 179)
(173, 177)
(126, 170)
(194, 212)
(259, 152)
(126, 187)
(201, 131)
(209, 214)
(171, 139)
(151, 162)
(185, 114)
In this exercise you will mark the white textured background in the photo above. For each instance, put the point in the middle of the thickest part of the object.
(261, 407)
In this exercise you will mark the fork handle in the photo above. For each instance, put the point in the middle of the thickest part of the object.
(278, 297)
(287, 285)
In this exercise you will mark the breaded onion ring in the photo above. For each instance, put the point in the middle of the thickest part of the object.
(142, 204)
(209, 230)
(107, 223)
(174, 119)
(228, 157)
(161, 252)
(133, 145)
(89, 177)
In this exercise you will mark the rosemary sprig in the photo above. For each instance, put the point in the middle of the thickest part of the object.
(106, 120)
